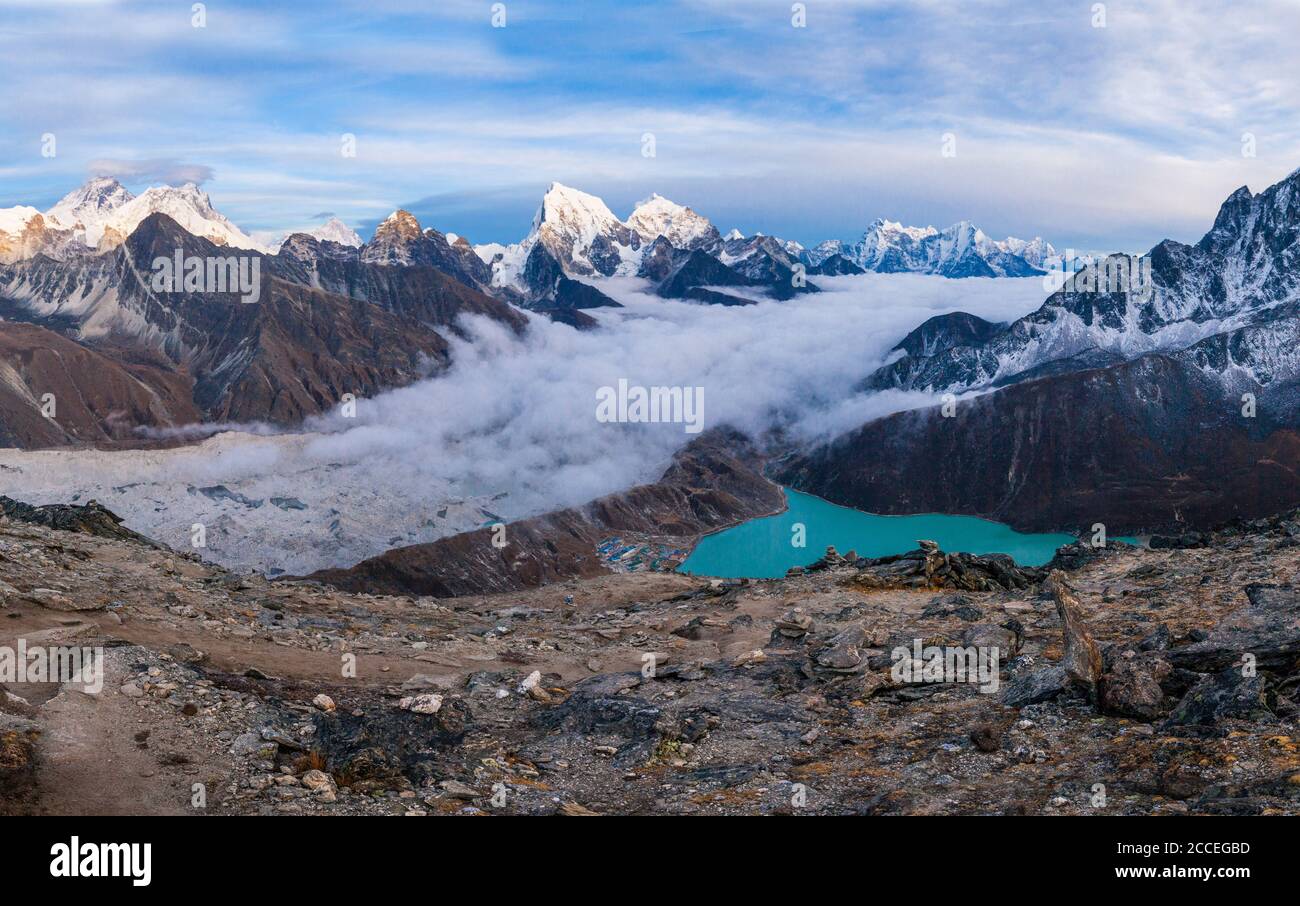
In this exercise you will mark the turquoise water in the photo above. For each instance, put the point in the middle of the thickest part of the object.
(763, 549)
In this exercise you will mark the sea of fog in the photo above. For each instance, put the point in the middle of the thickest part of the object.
(510, 430)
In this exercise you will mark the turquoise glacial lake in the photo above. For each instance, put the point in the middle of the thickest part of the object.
(763, 548)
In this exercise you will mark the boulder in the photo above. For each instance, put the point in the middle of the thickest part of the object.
(1268, 628)
(1133, 686)
(1223, 695)
(1005, 636)
(843, 653)
(1032, 688)
(1082, 660)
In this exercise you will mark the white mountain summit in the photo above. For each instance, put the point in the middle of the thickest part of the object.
(102, 213)
(335, 230)
(961, 250)
(587, 239)
(188, 205)
(685, 229)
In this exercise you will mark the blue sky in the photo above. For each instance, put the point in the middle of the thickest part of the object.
(1094, 137)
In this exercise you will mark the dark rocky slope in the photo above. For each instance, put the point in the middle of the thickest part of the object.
(1149, 444)
(419, 291)
(326, 323)
(946, 331)
(98, 399)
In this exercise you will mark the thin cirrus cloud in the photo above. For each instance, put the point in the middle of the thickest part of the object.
(159, 170)
(1095, 137)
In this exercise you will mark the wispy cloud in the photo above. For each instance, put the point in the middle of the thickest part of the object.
(158, 170)
(1097, 137)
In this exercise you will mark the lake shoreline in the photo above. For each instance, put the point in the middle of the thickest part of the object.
(765, 547)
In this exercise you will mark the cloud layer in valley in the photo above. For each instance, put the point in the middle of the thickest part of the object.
(511, 429)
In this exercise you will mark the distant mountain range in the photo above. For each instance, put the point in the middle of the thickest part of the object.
(574, 240)
(121, 356)
(576, 234)
(1166, 400)
(336, 315)
(101, 214)
(961, 250)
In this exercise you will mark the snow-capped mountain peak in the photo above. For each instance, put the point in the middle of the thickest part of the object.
(88, 206)
(102, 214)
(570, 215)
(960, 250)
(188, 205)
(335, 230)
(19, 230)
(733, 235)
(1037, 251)
(881, 227)
(398, 225)
(578, 231)
(683, 227)
(14, 220)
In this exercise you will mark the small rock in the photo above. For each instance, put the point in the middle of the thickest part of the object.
(794, 624)
(457, 790)
(425, 703)
(317, 780)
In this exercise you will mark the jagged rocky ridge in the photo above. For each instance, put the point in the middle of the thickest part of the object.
(1239, 284)
(1172, 401)
(326, 323)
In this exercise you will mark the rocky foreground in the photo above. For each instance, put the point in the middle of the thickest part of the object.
(1123, 686)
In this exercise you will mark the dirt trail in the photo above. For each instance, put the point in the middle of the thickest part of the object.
(91, 763)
